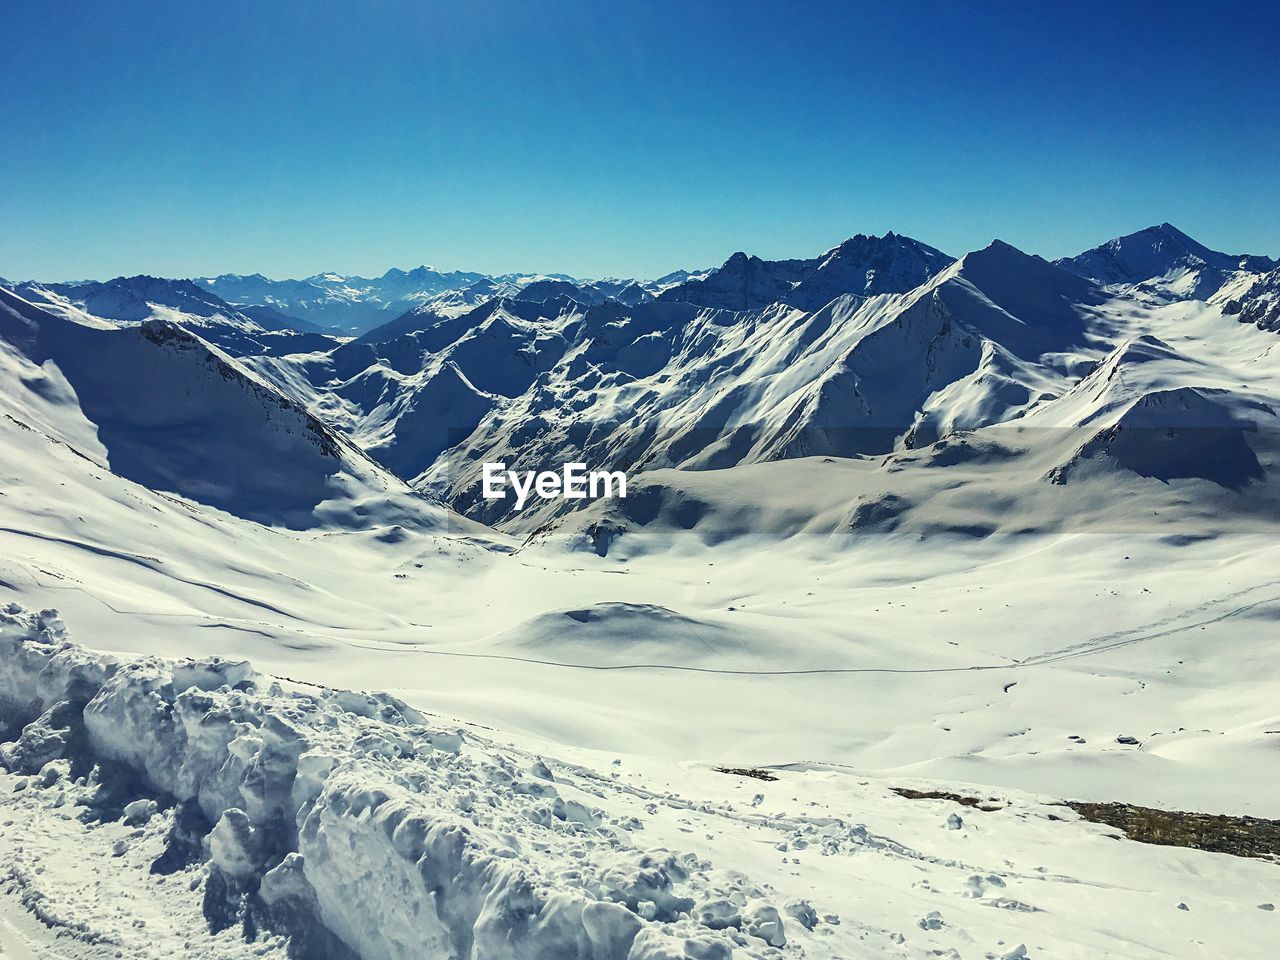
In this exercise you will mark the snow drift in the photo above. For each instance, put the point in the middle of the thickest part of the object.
(351, 810)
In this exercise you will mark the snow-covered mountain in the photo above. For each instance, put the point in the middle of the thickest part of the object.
(1022, 519)
(862, 265)
(1254, 299)
(997, 338)
(358, 305)
(134, 298)
(674, 278)
(347, 304)
(1163, 260)
(541, 290)
(157, 406)
(129, 300)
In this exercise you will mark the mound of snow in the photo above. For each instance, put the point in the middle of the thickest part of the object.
(617, 633)
(1184, 433)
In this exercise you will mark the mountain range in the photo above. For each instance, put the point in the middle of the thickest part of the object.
(243, 329)
(881, 350)
(354, 305)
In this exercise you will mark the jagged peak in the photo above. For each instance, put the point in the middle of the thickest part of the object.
(144, 279)
(888, 239)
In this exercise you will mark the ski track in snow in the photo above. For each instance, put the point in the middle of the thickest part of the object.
(1095, 645)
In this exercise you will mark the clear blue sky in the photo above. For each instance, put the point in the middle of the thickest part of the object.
(625, 138)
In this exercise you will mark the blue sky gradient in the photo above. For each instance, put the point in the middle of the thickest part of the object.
(623, 138)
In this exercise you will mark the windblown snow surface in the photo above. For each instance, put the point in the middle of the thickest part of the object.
(1001, 530)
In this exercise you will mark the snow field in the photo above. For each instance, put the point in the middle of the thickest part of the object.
(335, 824)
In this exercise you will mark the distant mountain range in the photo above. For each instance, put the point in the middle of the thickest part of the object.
(355, 305)
(1160, 261)
(345, 304)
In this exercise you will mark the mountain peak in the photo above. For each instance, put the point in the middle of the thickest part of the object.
(1019, 300)
(1168, 229)
(1004, 255)
(1167, 233)
(1001, 249)
(1000, 263)
(1164, 260)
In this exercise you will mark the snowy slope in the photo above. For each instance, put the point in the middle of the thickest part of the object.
(1012, 502)
(160, 407)
(339, 820)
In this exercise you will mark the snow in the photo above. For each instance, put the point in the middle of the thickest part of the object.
(403, 845)
(159, 406)
(409, 840)
(1007, 533)
(1255, 299)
